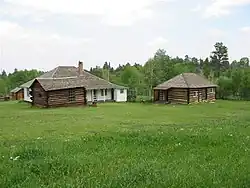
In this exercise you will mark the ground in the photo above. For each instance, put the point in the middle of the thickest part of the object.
(126, 145)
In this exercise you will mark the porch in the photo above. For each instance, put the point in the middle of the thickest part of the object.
(100, 95)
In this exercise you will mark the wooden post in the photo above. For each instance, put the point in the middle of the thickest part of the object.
(188, 95)
(167, 95)
(47, 96)
(206, 93)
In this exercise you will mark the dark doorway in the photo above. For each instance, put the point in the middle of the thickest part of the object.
(112, 94)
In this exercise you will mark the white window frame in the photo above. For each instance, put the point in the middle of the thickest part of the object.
(196, 93)
(212, 90)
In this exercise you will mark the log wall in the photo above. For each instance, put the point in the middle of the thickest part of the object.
(197, 95)
(156, 95)
(39, 95)
(62, 97)
(178, 96)
(20, 95)
(211, 96)
(201, 94)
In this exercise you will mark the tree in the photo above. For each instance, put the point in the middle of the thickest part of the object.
(3, 74)
(2, 87)
(225, 87)
(244, 62)
(219, 58)
(206, 68)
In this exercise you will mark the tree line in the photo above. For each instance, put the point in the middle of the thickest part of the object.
(233, 78)
(15, 79)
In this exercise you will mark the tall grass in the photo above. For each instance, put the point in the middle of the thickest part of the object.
(126, 145)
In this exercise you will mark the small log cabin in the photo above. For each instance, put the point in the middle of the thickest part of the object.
(17, 94)
(184, 89)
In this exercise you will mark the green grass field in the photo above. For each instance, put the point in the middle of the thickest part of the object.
(125, 145)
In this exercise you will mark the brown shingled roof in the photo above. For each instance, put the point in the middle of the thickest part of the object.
(50, 84)
(186, 80)
(65, 77)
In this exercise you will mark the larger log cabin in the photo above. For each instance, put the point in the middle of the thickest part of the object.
(184, 89)
(76, 87)
(97, 89)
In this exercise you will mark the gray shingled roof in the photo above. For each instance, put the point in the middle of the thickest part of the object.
(186, 80)
(65, 77)
(15, 90)
(74, 82)
(58, 72)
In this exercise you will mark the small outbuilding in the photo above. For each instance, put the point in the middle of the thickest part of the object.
(184, 89)
(17, 94)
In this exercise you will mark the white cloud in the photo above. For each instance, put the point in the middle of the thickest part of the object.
(17, 11)
(39, 49)
(216, 33)
(114, 12)
(158, 42)
(197, 8)
(13, 31)
(245, 29)
(223, 7)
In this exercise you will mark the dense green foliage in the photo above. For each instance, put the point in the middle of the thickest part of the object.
(126, 145)
(15, 79)
(233, 78)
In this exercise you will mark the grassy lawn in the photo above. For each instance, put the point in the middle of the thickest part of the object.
(126, 145)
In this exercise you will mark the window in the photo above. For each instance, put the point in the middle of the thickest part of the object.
(40, 95)
(106, 92)
(102, 93)
(211, 90)
(28, 92)
(195, 93)
(122, 91)
(72, 95)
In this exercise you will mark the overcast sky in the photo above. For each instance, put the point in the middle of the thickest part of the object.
(43, 34)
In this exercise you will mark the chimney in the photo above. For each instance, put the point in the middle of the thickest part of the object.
(80, 68)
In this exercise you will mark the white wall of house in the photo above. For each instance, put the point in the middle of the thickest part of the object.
(26, 95)
(100, 96)
(120, 95)
(89, 95)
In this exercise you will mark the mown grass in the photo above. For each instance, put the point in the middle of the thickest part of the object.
(126, 145)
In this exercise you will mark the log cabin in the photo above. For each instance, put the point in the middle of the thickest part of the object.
(97, 89)
(185, 88)
(72, 90)
(17, 94)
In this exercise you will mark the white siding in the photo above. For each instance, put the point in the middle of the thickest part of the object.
(120, 97)
(99, 97)
(26, 95)
(89, 95)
